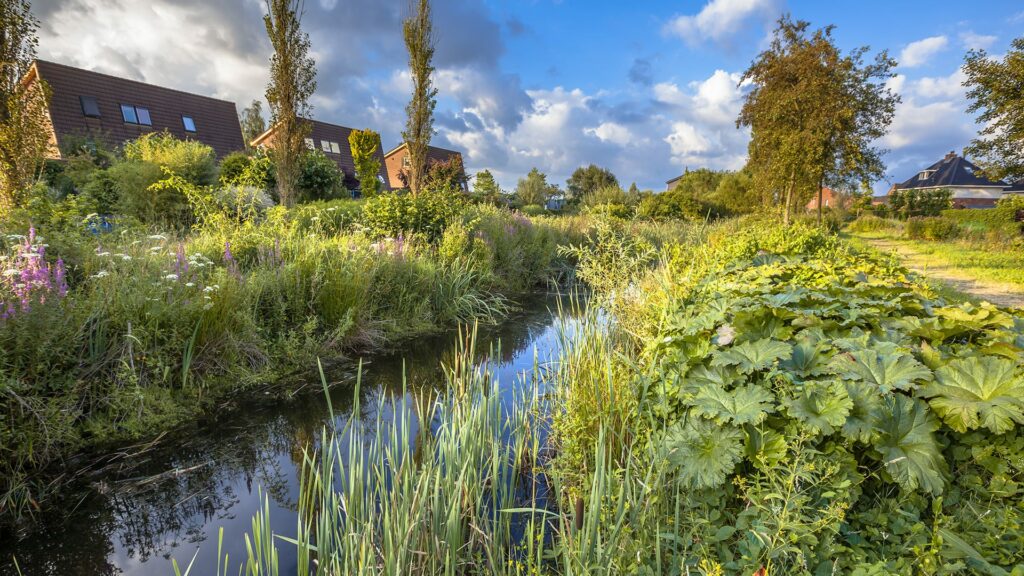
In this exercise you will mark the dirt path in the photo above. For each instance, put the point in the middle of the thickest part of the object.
(931, 267)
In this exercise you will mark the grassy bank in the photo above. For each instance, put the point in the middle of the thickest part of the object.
(763, 401)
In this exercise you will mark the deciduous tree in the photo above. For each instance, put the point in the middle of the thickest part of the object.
(419, 41)
(588, 179)
(996, 92)
(292, 83)
(364, 145)
(534, 189)
(252, 122)
(485, 187)
(25, 132)
(814, 114)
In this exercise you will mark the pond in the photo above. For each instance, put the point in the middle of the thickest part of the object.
(170, 498)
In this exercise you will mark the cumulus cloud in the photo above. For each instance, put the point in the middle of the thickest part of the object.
(974, 41)
(721, 20)
(920, 52)
(704, 133)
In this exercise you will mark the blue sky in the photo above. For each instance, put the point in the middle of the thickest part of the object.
(645, 88)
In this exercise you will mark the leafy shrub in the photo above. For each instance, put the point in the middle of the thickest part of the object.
(427, 213)
(1001, 219)
(102, 192)
(935, 228)
(131, 180)
(190, 159)
(533, 210)
(232, 166)
(871, 223)
(446, 175)
(910, 203)
(319, 177)
(327, 217)
(675, 204)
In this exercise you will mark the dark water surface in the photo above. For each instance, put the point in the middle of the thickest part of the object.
(176, 495)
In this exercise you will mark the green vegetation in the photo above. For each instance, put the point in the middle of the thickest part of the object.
(418, 33)
(364, 145)
(994, 92)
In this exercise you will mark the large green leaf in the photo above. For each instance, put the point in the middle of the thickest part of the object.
(764, 447)
(752, 356)
(887, 372)
(821, 406)
(907, 444)
(808, 359)
(971, 393)
(745, 405)
(704, 453)
(862, 423)
(702, 375)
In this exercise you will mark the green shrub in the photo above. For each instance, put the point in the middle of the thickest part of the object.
(232, 166)
(872, 223)
(1002, 218)
(932, 228)
(676, 204)
(427, 213)
(533, 210)
(319, 178)
(190, 159)
(131, 180)
(102, 192)
(327, 217)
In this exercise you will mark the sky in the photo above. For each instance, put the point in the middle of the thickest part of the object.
(646, 88)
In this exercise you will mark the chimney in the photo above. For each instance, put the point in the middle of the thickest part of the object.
(950, 156)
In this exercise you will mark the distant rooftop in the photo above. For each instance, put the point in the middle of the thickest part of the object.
(951, 171)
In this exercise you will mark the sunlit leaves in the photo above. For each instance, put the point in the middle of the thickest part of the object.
(821, 406)
(907, 445)
(971, 393)
(887, 372)
(745, 405)
(862, 422)
(764, 447)
(704, 453)
(752, 356)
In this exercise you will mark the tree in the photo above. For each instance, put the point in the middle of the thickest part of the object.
(814, 114)
(534, 189)
(485, 187)
(364, 145)
(25, 131)
(447, 175)
(419, 41)
(292, 83)
(252, 122)
(736, 193)
(589, 179)
(995, 90)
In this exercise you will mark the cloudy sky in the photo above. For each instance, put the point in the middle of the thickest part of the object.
(645, 87)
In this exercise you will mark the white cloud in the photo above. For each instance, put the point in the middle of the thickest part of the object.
(611, 132)
(974, 41)
(920, 52)
(720, 20)
(941, 87)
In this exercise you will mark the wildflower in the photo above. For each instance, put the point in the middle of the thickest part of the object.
(101, 274)
(190, 284)
(103, 254)
(156, 237)
(171, 277)
(11, 272)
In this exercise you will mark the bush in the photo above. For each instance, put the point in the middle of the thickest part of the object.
(676, 204)
(232, 166)
(871, 223)
(533, 210)
(102, 192)
(427, 213)
(190, 159)
(131, 180)
(932, 228)
(319, 178)
(327, 217)
(1002, 218)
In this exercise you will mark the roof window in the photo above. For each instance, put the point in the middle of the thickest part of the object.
(90, 107)
(188, 123)
(135, 115)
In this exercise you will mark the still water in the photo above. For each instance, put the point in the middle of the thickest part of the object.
(170, 499)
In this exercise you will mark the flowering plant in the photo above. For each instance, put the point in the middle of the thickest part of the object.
(27, 278)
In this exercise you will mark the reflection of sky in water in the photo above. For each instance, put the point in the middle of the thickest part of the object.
(133, 521)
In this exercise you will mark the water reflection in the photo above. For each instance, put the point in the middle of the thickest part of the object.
(170, 500)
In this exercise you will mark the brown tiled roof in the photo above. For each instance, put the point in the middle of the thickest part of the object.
(216, 121)
(324, 132)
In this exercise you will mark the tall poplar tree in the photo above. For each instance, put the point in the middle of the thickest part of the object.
(292, 83)
(25, 131)
(996, 91)
(814, 115)
(418, 31)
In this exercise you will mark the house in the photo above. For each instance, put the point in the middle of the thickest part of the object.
(669, 185)
(115, 110)
(829, 199)
(958, 175)
(332, 140)
(396, 162)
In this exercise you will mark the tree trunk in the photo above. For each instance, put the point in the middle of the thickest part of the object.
(789, 197)
(821, 217)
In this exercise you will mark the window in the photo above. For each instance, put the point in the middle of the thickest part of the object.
(335, 147)
(406, 162)
(135, 115)
(310, 144)
(90, 107)
(189, 123)
(128, 113)
(325, 145)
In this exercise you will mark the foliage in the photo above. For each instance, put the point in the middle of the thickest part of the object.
(132, 180)
(426, 214)
(485, 187)
(190, 159)
(252, 123)
(673, 204)
(815, 115)
(232, 166)
(994, 92)
(534, 189)
(24, 107)
(1003, 218)
(292, 84)
(938, 228)
(910, 203)
(587, 180)
(446, 175)
(418, 33)
(365, 148)
(319, 178)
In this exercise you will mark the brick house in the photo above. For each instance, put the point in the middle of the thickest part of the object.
(104, 107)
(396, 162)
(958, 175)
(829, 199)
(332, 140)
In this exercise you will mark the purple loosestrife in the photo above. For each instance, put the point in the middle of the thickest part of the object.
(28, 278)
(231, 263)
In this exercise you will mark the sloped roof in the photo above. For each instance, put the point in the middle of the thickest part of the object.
(433, 152)
(952, 170)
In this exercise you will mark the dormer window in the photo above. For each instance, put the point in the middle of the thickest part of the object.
(925, 174)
